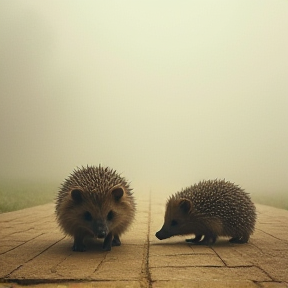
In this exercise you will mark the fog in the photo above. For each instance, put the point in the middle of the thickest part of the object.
(166, 92)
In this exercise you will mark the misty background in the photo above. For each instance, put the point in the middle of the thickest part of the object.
(166, 92)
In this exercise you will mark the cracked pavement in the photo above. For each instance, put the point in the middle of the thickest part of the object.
(34, 251)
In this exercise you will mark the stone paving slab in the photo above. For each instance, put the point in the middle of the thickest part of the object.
(33, 251)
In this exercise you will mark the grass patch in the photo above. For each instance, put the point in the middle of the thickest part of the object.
(20, 194)
(279, 200)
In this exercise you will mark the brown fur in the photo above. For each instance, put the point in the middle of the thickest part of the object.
(95, 202)
(209, 209)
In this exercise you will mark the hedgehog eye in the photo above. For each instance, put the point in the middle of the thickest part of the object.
(174, 223)
(87, 216)
(110, 215)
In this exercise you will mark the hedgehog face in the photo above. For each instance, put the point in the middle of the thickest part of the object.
(89, 216)
(177, 215)
(96, 215)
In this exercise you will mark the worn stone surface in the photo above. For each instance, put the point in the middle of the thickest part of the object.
(34, 251)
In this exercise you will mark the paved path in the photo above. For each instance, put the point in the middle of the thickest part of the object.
(33, 250)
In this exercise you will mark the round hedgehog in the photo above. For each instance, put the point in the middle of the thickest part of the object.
(210, 209)
(95, 202)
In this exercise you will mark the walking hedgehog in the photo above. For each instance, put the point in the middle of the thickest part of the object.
(210, 209)
(95, 202)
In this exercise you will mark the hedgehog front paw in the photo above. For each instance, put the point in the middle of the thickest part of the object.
(107, 242)
(116, 241)
(78, 247)
(194, 240)
(241, 240)
(106, 248)
(207, 240)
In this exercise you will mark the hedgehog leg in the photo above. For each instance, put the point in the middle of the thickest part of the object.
(194, 240)
(78, 247)
(239, 240)
(208, 239)
(78, 243)
(116, 240)
(108, 242)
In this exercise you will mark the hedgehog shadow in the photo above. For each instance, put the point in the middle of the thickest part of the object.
(222, 242)
(92, 245)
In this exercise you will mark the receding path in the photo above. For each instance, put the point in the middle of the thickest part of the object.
(33, 250)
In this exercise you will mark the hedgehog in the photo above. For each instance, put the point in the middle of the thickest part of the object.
(95, 202)
(210, 209)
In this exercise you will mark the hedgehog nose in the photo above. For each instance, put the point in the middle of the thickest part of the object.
(162, 234)
(101, 234)
(158, 235)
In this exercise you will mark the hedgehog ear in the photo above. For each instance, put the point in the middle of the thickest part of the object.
(117, 193)
(76, 195)
(185, 205)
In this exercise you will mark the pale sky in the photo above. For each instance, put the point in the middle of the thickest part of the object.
(166, 92)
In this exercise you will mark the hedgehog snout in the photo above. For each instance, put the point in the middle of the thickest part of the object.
(158, 235)
(100, 229)
(101, 234)
(162, 234)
